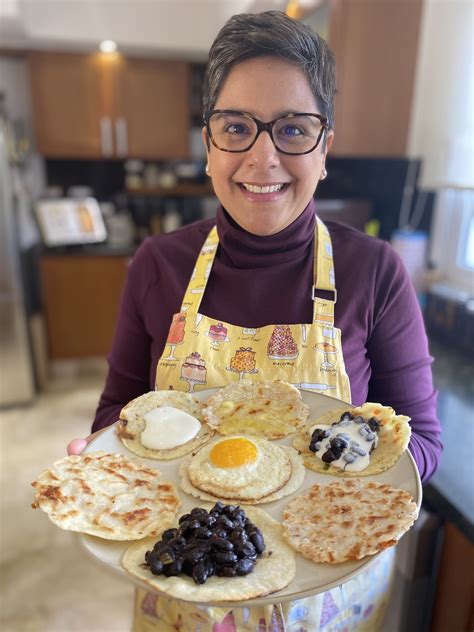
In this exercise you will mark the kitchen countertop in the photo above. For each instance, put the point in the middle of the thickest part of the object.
(450, 492)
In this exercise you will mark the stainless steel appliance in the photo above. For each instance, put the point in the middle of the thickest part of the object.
(16, 368)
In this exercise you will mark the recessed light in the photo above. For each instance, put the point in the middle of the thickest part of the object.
(108, 46)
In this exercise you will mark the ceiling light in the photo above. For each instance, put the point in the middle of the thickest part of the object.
(108, 46)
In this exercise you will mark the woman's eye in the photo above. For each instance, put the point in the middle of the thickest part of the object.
(236, 128)
(291, 130)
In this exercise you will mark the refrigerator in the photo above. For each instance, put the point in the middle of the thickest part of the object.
(17, 384)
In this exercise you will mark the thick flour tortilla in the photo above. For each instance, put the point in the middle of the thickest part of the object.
(131, 423)
(273, 571)
(293, 483)
(394, 436)
(272, 410)
(347, 520)
(106, 495)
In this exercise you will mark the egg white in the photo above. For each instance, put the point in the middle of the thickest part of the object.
(270, 471)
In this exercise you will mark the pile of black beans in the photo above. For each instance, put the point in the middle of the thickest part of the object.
(222, 542)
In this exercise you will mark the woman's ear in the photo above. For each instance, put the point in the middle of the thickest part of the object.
(329, 139)
(206, 141)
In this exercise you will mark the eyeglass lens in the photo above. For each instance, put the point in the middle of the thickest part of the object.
(237, 132)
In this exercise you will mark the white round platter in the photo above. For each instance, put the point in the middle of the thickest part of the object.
(310, 578)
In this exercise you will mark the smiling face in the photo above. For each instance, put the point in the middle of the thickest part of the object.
(266, 87)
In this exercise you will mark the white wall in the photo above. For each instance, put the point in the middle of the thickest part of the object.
(442, 124)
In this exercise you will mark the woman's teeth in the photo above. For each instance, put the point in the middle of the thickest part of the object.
(272, 188)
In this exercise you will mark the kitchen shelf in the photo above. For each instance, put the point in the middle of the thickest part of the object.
(193, 189)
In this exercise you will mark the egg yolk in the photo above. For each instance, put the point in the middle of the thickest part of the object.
(233, 452)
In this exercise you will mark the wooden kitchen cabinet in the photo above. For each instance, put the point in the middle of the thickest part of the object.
(81, 296)
(108, 106)
(376, 48)
(67, 104)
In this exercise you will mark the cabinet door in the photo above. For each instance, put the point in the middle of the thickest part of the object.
(375, 45)
(153, 112)
(81, 297)
(67, 105)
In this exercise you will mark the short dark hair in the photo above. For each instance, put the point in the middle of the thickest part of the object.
(249, 35)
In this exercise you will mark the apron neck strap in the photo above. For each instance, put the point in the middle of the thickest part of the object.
(323, 275)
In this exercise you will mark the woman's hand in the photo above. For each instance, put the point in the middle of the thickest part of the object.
(76, 446)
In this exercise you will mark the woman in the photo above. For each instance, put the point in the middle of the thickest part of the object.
(267, 263)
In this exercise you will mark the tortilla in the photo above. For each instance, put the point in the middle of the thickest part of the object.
(131, 423)
(106, 495)
(394, 436)
(273, 571)
(347, 520)
(272, 410)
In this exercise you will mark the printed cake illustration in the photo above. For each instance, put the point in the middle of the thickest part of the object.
(218, 332)
(194, 368)
(243, 360)
(176, 332)
(282, 345)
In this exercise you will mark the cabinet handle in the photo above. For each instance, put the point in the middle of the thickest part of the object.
(121, 137)
(106, 136)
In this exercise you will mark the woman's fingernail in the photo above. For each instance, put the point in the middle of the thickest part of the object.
(76, 446)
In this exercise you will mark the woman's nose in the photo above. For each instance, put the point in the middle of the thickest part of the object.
(263, 153)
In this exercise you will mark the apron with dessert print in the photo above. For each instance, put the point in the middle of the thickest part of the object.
(201, 353)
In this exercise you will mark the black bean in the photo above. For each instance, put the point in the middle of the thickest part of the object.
(183, 518)
(218, 507)
(149, 557)
(169, 534)
(199, 573)
(246, 549)
(238, 535)
(328, 456)
(347, 416)
(203, 533)
(318, 435)
(173, 569)
(374, 424)
(224, 558)
(338, 443)
(156, 567)
(194, 554)
(243, 567)
(226, 571)
(224, 522)
(359, 420)
(257, 540)
(198, 511)
(221, 544)
(228, 509)
(177, 543)
(166, 556)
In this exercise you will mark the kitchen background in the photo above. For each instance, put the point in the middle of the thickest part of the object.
(100, 149)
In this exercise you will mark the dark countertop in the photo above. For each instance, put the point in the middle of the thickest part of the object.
(91, 250)
(450, 492)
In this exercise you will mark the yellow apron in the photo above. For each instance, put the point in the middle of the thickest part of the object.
(201, 353)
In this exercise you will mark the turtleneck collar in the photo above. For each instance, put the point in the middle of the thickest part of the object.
(245, 250)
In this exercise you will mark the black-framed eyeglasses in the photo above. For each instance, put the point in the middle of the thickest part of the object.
(294, 134)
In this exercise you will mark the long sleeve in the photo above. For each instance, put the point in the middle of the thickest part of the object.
(129, 360)
(400, 361)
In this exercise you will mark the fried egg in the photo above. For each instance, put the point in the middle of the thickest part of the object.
(240, 467)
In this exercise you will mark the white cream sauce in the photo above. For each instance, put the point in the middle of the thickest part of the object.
(356, 456)
(168, 427)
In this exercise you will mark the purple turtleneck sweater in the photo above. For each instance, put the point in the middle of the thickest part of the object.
(257, 281)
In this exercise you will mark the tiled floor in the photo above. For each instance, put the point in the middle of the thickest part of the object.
(48, 583)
